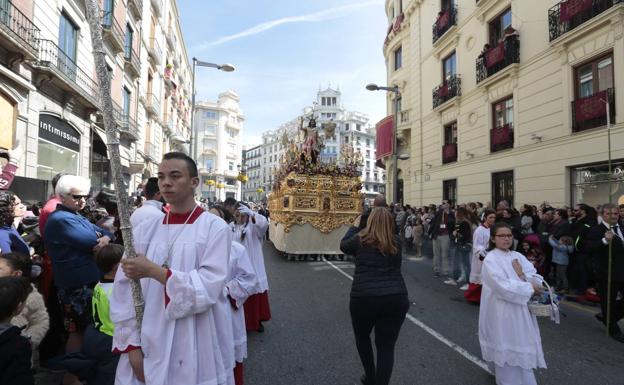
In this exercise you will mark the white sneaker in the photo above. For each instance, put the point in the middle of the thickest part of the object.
(450, 281)
(464, 287)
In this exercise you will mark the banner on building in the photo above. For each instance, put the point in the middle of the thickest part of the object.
(384, 137)
(590, 107)
(495, 55)
(571, 8)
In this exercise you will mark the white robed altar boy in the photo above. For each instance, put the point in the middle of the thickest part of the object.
(182, 263)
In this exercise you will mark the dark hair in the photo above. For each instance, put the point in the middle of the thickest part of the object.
(486, 213)
(13, 291)
(494, 230)
(19, 261)
(463, 213)
(56, 178)
(190, 163)
(563, 213)
(229, 201)
(151, 187)
(7, 205)
(108, 256)
(528, 211)
(108, 200)
(223, 213)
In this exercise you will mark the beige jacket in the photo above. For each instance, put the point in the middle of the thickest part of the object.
(33, 319)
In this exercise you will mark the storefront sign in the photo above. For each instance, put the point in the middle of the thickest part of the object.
(59, 132)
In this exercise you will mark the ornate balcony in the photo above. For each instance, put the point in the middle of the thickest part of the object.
(449, 153)
(157, 6)
(446, 19)
(128, 127)
(151, 151)
(67, 75)
(447, 91)
(152, 105)
(112, 31)
(17, 32)
(155, 53)
(136, 6)
(568, 15)
(591, 112)
(498, 58)
(501, 138)
(132, 64)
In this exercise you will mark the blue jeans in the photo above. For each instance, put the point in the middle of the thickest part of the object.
(463, 259)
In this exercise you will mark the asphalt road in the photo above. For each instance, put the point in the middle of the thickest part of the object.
(309, 339)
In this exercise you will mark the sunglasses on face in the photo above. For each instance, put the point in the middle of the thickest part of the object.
(79, 197)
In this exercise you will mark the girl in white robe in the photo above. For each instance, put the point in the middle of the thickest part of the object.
(508, 333)
(187, 328)
(249, 231)
(480, 242)
(241, 283)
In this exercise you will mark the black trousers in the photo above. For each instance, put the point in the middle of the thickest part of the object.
(617, 307)
(386, 315)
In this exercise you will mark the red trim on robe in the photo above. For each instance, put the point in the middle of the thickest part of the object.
(126, 350)
(167, 299)
(180, 219)
(238, 373)
(257, 310)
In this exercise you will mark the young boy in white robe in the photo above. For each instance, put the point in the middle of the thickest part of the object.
(508, 333)
(182, 263)
(241, 283)
(249, 231)
(480, 243)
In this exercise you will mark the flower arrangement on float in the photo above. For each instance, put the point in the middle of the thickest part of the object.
(210, 182)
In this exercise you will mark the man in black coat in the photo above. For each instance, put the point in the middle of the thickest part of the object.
(598, 240)
(440, 231)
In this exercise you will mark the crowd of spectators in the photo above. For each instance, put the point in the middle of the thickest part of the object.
(567, 245)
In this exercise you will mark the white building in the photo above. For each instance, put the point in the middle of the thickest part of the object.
(352, 129)
(49, 92)
(218, 129)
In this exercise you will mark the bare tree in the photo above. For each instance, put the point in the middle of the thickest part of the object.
(112, 143)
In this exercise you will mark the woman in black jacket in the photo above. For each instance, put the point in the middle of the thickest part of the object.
(378, 294)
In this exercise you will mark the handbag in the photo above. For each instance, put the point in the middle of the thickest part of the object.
(465, 247)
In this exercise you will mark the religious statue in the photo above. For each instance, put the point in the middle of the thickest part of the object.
(311, 144)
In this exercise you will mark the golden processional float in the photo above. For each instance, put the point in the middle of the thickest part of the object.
(314, 203)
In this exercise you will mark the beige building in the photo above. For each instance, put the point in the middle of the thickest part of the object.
(489, 112)
(49, 99)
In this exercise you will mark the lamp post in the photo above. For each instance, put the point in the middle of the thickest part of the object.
(395, 156)
(610, 180)
(222, 67)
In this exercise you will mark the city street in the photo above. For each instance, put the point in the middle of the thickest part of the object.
(309, 339)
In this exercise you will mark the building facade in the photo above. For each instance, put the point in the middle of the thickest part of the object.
(218, 130)
(352, 129)
(49, 99)
(507, 99)
(252, 190)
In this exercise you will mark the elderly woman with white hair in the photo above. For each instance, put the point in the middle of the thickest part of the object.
(71, 241)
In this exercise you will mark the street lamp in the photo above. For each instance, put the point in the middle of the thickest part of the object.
(395, 156)
(222, 67)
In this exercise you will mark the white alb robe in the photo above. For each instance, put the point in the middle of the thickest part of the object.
(182, 340)
(480, 242)
(254, 234)
(508, 332)
(241, 284)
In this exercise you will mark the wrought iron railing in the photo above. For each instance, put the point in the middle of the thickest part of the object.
(15, 23)
(111, 26)
(591, 111)
(132, 58)
(151, 150)
(153, 104)
(446, 19)
(137, 6)
(449, 153)
(567, 15)
(501, 138)
(154, 49)
(447, 90)
(128, 125)
(504, 54)
(51, 56)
